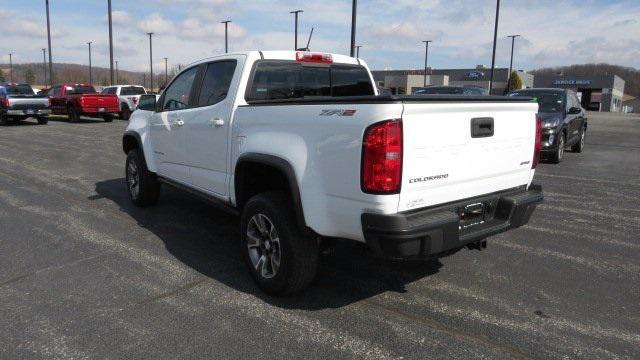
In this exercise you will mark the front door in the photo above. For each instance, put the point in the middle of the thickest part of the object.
(208, 130)
(167, 129)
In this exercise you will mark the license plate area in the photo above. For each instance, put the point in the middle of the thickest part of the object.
(477, 213)
(100, 109)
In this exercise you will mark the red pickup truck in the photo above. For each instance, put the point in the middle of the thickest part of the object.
(76, 100)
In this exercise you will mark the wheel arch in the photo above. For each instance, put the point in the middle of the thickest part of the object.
(249, 163)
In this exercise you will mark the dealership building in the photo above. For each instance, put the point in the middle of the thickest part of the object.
(406, 81)
(596, 93)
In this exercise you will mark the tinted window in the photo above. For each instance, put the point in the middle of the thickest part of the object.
(82, 89)
(350, 81)
(19, 90)
(132, 90)
(109, 90)
(287, 80)
(176, 96)
(216, 82)
(548, 101)
(446, 90)
(54, 91)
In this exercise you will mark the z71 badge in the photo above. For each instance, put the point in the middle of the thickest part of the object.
(338, 112)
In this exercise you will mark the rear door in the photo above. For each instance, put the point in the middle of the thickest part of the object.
(58, 101)
(207, 131)
(458, 150)
(167, 127)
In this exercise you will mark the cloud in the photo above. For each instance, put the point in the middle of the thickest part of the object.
(119, 17)
(155, 23)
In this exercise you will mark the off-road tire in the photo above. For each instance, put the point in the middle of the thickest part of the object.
(148, 186)
(298, 251)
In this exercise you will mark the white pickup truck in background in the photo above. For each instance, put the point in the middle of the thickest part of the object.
(303, 148)
(129, 96)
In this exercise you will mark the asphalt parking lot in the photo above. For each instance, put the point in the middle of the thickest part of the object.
(84, 274)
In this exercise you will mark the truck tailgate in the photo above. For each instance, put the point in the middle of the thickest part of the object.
(99, 101)
(446, 160)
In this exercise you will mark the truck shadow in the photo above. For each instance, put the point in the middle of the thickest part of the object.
(207, 240)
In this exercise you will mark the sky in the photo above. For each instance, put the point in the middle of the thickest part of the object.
(552, 33)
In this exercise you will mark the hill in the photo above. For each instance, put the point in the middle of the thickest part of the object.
(75, 73)
(630, 75)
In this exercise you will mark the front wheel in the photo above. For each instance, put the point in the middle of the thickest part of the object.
(143, 185)
(74, 115)
(579, 146)
(558, 155)
(281, 258)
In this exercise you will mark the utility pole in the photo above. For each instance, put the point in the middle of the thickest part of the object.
(426, 58)
(110, 43)
(354, 11)
(150, 61)
(117, 71)
(495, 38)
(166, 72)
(295, 32)
(358, 50)
(10, 67)
(44, 64)
(49, 41)
(226, 35)
(90, 75)
(513, 38)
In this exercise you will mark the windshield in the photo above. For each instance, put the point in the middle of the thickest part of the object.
(82, 89)
(548, 101)
(19, 90)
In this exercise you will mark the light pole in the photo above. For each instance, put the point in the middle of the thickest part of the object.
(354, 7)
(495, 38)
(295, 31)
(49, 41)
(513, 39)
(116, 71)
(110, 43)
(226, 35)
(90, 75)
(10, 67)
(166, 72)
(44, 64)
(150, 60)
(426, 58)
(358, 50)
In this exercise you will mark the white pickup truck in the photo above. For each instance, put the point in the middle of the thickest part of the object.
(129, 96)
(302, 147)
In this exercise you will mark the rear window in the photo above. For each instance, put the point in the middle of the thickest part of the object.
(81, 89)
(273, 80)
(20, 90)
(109, 90)
(132, 90)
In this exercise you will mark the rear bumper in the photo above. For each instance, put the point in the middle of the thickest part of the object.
(26, 112)
(426, 233)
(100, 110)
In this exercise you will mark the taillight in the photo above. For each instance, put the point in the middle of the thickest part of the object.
(50, 101)
(305, 56)
(538, 142)
(382, 158)
(135, 101)
(4, 102)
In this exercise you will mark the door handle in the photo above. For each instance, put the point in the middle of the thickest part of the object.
(178, 122)
(217, 122)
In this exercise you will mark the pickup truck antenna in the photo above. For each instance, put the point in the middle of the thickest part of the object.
(308, 42)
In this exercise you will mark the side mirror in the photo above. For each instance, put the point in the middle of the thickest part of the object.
(574, 110)
(147, 102)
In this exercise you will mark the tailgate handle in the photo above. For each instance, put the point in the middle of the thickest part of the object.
(481, 127)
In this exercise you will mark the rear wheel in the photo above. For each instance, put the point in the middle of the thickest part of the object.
(3, 119)
(43, 120)
(74, 115)
(125, 113)
(143, 185)
(107, 118)
(558, 155)
(281, 258)
(579, 146)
